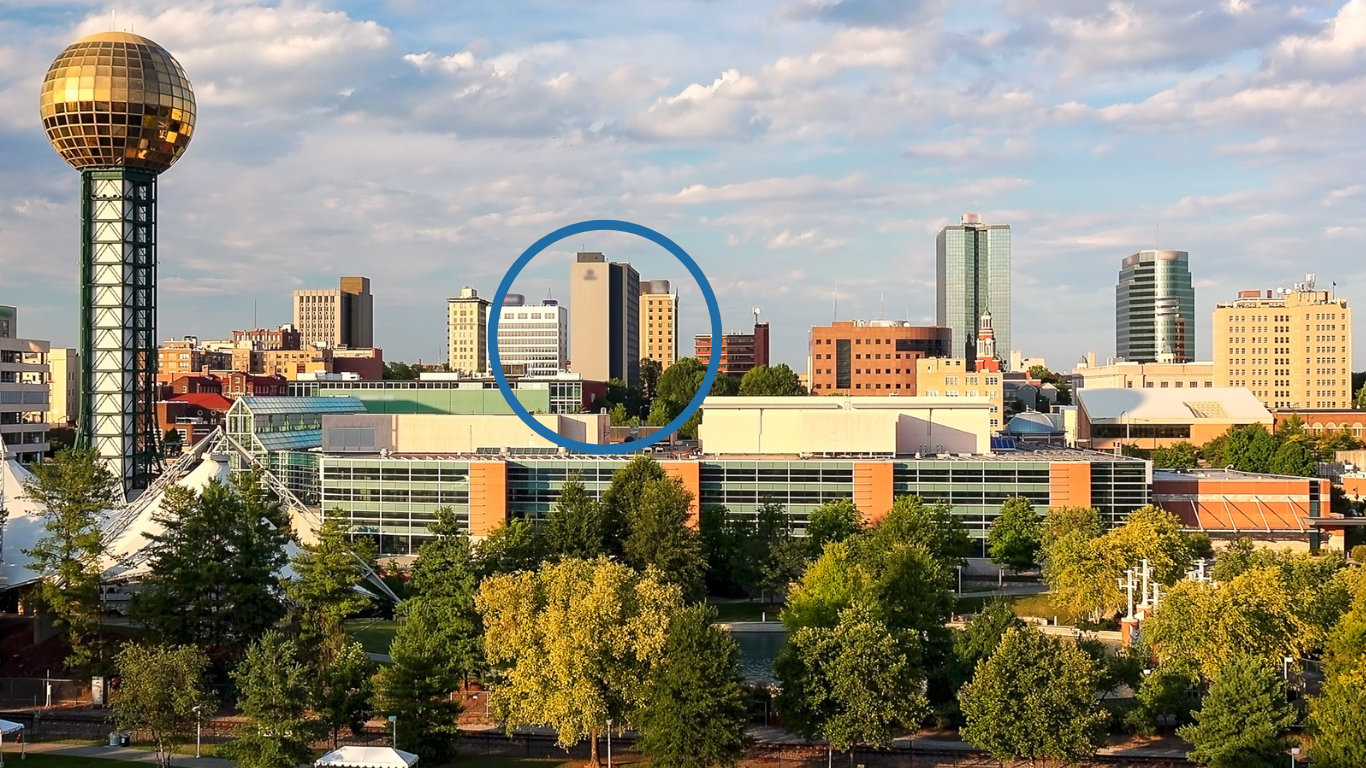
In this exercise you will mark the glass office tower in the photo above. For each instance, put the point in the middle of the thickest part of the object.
(1155, 308)
(973, 268)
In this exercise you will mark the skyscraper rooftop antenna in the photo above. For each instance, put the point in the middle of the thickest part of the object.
(755, 310)
(882, 309)
(837, 301)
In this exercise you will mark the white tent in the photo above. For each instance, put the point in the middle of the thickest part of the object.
(366, 757)
(7, 727)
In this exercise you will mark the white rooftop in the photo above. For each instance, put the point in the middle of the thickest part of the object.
(1173, 405)
(366, 757)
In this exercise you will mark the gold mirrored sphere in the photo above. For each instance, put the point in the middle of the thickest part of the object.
(117, 99)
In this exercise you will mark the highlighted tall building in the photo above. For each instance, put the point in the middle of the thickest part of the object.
(118, 108)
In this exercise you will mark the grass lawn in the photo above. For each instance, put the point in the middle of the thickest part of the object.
(38, 760)
(376, 636)
(726, 612)
(1038, 606)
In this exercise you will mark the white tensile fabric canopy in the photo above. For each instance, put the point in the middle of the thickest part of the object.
(7, 727)
(366, 757)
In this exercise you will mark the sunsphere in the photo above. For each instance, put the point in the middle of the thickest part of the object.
(115, 99)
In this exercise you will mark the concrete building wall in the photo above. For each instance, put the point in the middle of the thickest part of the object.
(1126, 375)
(887, 426)
(590, 299)
(467, 331)
(658, 323)
(872, 357)
(950, 377)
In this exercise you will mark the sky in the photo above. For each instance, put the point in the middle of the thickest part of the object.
(804, 152)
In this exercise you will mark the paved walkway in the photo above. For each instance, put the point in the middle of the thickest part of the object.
(119, 753)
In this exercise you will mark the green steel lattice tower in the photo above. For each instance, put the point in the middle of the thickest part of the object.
(118, 108)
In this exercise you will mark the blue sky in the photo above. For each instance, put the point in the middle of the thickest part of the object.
(796, 148)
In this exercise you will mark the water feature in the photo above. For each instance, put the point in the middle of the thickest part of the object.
(757, 653)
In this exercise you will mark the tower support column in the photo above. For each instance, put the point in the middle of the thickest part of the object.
(118, 321)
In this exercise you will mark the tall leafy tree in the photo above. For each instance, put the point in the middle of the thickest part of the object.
(832, 521)
(1074, 565)
(73, 489)
(576, 526)
(650, 371)
(623, 497)
(933, 527)
(1165, 695)
(1336, 714)
(661, 539)
(1179, 455)
(777, 381)
(275, 690)
(853, 683)
(1243, 720)
(212, 580)
(416, 688)
(980, 638)
(345, 692)
(574, 645)
(1034, 698)
(694, 710)
(1015, 535)
(444, 584)
(328, 573)
(161, 693)
(725, 541)
(516, 545)
(1204, 627)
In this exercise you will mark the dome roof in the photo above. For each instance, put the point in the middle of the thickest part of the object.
(1031, 423)
(117, 99)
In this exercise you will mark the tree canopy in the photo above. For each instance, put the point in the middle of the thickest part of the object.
(275, 689)
(777, 381)
(1034, 698)
(574, 645)
(1015, 535)
(161, 693)
(1243, 719)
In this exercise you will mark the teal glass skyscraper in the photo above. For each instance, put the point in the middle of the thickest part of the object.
(1155, 308)
(972, 264)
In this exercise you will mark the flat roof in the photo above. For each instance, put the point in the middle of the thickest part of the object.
(1172, 405)
(1042, 453)
(1221, 474)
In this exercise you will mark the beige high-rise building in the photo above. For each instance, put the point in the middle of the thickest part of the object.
(467, 331)
(604, 334)
(64, 387)
(658, 323)
(951, 377)
(1292, 348)
(340, 317)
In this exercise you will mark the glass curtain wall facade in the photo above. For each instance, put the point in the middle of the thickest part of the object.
(1155, 308)
(972, 264)
(393, 500)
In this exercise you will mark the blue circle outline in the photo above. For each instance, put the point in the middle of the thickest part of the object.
(604, 225)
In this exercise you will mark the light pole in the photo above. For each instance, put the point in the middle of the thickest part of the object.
(609, 744)
(393, 720)
(1294, 756)
(198, 728)
(1285, 663)
(960, 581)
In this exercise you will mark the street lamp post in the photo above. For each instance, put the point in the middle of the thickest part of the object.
(609, 744)
(960, 581)
(1285, 663)
(1294, 756)
(393, 720)
(198, 728)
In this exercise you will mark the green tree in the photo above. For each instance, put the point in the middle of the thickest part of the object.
(1034, 698)
(695, 705)
(575, 644)
(777, 381)
(1015, 535)
(1247, 449)
(932, 526)
(514, 546)
(212, 571)
(275, 690)
(416, 688)
(444, 584)
(399, 371)
(980, 638)
(325, 591)
(575, 525)
(622, 499)
(1292, 458)
(161, 693)
(725, 541)
(677, 387)
(1179, 455)
(1335, 715)
(73, 489)
(852, 683)
(1165, 695)
(650, 371)
(1243, 719)
(1204, 627)
(832, 521)
(1074, 564)
(661, 539)
(346, 690)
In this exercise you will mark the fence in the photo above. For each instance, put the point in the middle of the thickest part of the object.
(33, 692)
